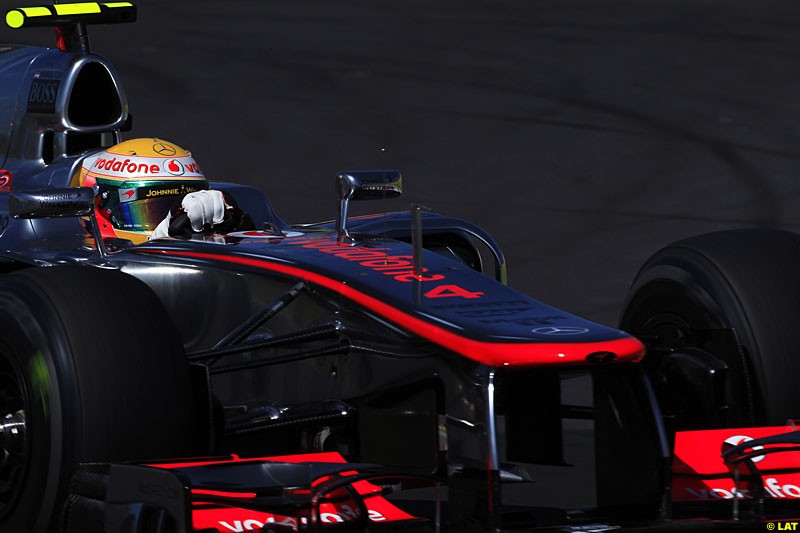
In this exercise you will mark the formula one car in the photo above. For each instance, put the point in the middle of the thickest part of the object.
(368, 373)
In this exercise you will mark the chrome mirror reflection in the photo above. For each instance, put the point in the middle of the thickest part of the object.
(365, 185)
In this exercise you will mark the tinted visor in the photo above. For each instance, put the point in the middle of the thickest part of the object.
(141, 206)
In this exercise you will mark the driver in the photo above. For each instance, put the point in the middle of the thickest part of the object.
(151, 188)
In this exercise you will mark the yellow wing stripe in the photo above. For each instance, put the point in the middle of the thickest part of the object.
(15, 18)
(35, 11)
(77, 9)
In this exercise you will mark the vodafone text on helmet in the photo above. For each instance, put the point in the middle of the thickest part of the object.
(132, 167)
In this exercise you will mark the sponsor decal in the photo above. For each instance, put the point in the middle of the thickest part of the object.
(143, 166)
(700, 473)
(489, 353)
(49, 74)
(739, 439)
(238, 520)
(155, 193)
(560, 330)
(42, 96)
(126, 166)
(483, 313)
(255, 234)
(5, 181)
(400, 267)
(525, 321)
(479, 305)
(343, 513)
(174, 167)
(57, 200)
(772, 486)
(143, 193)
(164, 149)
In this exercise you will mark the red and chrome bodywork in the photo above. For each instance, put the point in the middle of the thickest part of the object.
(433, 361)
(441, 371)
(701, 473)
(226, 517)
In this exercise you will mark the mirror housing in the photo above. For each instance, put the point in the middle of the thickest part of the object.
(364, 185)
(49, 203)
(62, 202)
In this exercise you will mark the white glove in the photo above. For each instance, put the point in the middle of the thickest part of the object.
(202, 207)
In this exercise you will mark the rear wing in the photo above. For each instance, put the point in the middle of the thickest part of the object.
(70, 20)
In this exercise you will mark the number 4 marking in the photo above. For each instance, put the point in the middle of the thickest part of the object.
(449, 291)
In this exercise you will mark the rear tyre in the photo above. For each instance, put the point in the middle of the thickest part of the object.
(91, 370)
(720, 313)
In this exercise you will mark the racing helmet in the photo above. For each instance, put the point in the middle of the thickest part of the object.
(137, 182)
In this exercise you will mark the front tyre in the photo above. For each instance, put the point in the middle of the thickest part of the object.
(720, 313)
(91, 370)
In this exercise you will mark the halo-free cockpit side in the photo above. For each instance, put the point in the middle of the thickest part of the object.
(390, 340)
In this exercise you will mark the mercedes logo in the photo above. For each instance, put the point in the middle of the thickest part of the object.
(559, 330)
(163, 149)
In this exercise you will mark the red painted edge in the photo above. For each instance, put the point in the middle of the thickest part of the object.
(496, 354)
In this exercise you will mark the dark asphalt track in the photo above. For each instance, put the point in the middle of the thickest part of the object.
(583, 134)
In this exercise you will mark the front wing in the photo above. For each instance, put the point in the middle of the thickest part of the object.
(281, 493)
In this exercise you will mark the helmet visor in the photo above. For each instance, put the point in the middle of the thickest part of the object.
(141, 206)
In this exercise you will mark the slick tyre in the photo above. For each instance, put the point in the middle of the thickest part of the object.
(726, 306)
(91, 370)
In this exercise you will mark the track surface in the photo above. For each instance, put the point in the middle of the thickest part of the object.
(583, 134)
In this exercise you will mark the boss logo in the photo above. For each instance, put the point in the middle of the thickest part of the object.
(42, 98)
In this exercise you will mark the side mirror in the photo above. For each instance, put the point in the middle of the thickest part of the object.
(365, 185)
(48, 203)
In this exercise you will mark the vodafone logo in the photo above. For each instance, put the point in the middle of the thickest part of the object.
(146, 166)
(127, 166)
(740, 439)
(174, 167)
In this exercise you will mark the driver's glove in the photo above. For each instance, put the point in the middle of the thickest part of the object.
(204, 207)
(202, 211)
